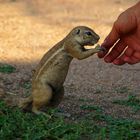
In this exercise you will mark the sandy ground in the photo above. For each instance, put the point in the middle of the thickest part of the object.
(29, 28)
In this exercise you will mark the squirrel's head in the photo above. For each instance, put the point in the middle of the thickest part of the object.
(85, 36)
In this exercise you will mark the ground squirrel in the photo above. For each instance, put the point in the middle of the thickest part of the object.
(50, 74)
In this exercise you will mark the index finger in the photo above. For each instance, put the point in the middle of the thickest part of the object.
(110, 40)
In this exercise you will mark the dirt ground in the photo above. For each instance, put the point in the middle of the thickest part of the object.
(28, 28)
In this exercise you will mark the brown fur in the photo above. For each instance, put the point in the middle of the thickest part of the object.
(50, 74)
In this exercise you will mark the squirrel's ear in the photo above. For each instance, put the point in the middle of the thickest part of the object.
(77, 31)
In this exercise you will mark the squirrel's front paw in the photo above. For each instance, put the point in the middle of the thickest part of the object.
(100, 48)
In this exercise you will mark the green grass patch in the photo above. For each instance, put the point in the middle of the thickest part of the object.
(27, 126)
(132, 102)
(91, 108)
(5, 68)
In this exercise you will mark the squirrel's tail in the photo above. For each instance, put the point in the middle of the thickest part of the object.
(25, 103)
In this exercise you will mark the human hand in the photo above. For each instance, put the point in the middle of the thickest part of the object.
(123, 42)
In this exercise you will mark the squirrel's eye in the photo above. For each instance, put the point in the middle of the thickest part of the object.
(88, 33)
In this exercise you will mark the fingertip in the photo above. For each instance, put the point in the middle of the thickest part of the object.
(107, 60)
(101, 54)
(118, 62)
(115, 62)
(126, 59)
(131, 60)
